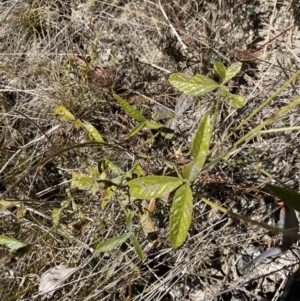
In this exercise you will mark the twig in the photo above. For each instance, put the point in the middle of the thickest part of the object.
(183, 46)
(9, 11)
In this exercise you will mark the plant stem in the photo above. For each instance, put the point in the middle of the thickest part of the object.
(253, 132)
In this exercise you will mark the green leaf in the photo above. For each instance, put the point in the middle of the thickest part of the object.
(95, 188)
(105, 163)
(11, 243)
(56, 216)
(109, 192)
(152, 125)
(81, 215)
(111, 267)
(102, 165)
(78, 124)
(135, 130)
(129, 221)
(133, 266)
(181, 215)
(232, 71)
(132, 112)
(224, 91)
(152, 186)
(289, 196)
(65, 204)
(168, 130)
(192, 170)
(93, 134)
(112, 243)
(9, 204)
(64, 113)
(220, 69)
(137, 170)
(114, 168)
(21, 210)
(199, 150)
(202, 138)
(137, 247)
(74, 206)
(193, 86)
(94, 172)
(234, 100)
(81, 181)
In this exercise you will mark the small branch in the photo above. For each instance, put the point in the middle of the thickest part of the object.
(182, 45)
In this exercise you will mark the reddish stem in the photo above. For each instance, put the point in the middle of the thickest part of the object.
(283, 32)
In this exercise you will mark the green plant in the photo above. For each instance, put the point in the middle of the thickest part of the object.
(91, 131)
(200, 85)
(156, 186)
(135, 114)
(105, 177)
(182, 205)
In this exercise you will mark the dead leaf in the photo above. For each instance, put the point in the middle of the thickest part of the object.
(53, 278)
(101, 76)
(151, 205)
(146, 222)
(183, 103)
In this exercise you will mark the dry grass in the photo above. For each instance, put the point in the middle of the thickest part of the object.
(131, 47)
